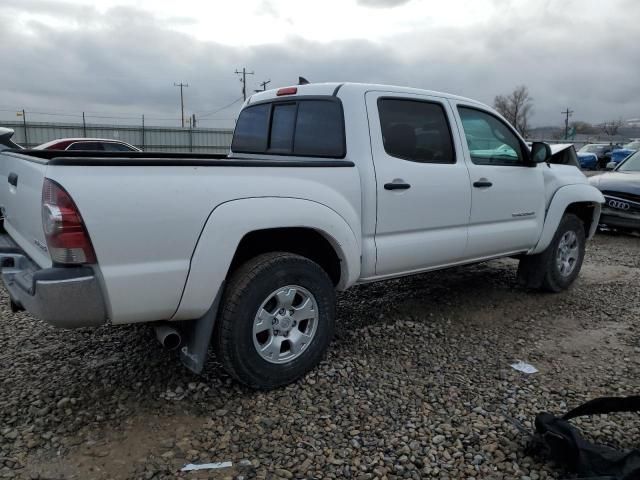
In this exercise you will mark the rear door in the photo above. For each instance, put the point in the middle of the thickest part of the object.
(21, 180)
(507, 191)
(422, 183)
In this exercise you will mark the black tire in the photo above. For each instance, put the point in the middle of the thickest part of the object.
(245, 292)
(541, 271)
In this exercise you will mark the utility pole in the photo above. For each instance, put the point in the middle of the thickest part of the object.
(143, 132)
(243, 80)
(181, 85)
(84, 126)
(263, 85)
(193, 120)
(24, 125)
(567, 113)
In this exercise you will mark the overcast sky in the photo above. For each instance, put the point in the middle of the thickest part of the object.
(121, 58)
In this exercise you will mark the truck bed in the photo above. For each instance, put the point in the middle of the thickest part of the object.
(146, 213)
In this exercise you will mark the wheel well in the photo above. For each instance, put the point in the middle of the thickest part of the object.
(584, 211)
(306, 242)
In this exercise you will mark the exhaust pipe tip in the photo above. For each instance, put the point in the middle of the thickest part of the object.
(169, 337)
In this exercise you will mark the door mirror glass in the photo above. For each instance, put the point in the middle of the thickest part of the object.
(540, 152)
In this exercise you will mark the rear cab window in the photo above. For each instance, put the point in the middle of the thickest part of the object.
(303, 126)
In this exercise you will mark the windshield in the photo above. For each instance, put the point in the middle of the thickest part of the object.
(631, 164)
(633, 146)
(591, 148)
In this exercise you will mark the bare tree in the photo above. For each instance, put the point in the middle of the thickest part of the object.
(611, 128)
(583, 127)
(516, 107)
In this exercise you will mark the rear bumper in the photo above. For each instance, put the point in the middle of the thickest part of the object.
(65, 297)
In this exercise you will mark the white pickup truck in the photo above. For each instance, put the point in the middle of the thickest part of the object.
(326, 186)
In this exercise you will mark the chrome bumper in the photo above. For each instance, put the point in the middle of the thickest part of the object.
(65, 297)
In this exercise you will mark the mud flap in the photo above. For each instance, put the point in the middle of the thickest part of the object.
(197, 337)
(531, 269)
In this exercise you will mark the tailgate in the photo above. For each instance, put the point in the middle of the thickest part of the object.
(21, 180)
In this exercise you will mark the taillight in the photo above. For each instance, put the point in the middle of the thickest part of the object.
(287, 91)
(67, 237)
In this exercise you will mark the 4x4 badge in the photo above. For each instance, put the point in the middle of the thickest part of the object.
(40, 245)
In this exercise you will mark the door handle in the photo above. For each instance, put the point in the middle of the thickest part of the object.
(396, 186)
(13, 179)
(482, 184)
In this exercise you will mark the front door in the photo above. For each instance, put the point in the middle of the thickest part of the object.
(507, 190)
(422, 183)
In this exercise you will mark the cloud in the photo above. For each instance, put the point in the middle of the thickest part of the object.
(382, 3)
(124, 61)
(56, 7)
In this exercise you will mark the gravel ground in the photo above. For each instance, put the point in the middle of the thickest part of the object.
(416, 385)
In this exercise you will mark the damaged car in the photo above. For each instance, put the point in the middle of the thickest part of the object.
(621, 190)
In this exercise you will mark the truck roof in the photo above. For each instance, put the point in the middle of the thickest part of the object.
(333, 88)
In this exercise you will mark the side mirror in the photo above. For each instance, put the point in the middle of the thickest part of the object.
(611, 165)
(540, 152)
(5, 134)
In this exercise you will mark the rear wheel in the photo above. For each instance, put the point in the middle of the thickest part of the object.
(558, 266)
(276, 320)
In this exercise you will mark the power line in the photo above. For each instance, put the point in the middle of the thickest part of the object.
(41, 113)
(104, 115)
(181, 85)
(243, 80)
(207, 114)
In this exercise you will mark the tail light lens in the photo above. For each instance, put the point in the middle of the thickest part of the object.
(67, 238)
(287, 91)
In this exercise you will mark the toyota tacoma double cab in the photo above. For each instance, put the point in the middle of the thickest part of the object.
(325, 186)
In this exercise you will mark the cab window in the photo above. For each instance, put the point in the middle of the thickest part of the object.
(490, 140)
(416, 130)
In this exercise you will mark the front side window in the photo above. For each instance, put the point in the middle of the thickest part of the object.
(490, 141)
(415, 130)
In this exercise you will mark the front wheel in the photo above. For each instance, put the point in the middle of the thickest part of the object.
(276, 320)
(558, 266)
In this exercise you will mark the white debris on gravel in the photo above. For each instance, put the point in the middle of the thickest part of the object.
(524, 367)
(206, 466)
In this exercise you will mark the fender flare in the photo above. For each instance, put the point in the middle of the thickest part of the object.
(229, 222)
(563, 197)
